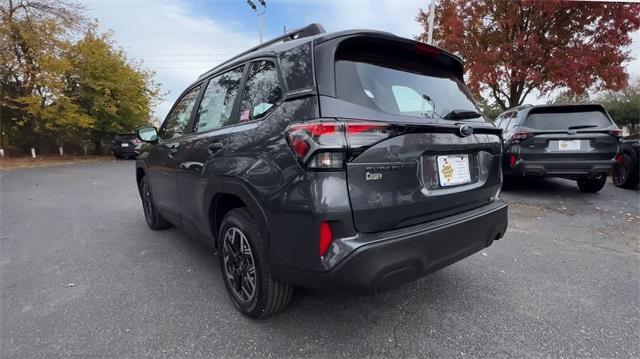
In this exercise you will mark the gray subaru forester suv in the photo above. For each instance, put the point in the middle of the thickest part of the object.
(354, 160)
(572, 141)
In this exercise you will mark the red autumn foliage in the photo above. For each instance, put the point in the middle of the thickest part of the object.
(513, 47)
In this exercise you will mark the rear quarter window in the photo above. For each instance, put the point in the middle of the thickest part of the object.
(297, 69)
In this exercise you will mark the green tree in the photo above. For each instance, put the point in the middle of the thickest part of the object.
(569, 96)
(624, 106)
(33, 107)
(56, 89)
(115, 93)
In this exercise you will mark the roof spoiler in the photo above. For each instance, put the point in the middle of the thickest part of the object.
(309, 30)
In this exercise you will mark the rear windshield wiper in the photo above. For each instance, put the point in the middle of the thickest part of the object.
(581, 126)
(461, 115)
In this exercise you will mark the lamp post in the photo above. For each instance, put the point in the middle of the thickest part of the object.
(432, 15)
(259, 13)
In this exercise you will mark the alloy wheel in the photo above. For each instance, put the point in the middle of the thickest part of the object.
(619, 174)
(147, 202)
(239, 264)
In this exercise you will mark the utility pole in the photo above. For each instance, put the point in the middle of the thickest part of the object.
(432, 15)
(259, 14)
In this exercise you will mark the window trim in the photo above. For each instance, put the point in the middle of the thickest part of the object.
(188, 128)
(236, 103)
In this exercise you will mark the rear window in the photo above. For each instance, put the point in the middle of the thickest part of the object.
(566, 118)
(402, 87)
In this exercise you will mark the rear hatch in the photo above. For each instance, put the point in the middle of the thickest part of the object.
(126, 141)
(568, 133)
(415, 165)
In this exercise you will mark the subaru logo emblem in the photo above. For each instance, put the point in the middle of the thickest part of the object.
(466, 131)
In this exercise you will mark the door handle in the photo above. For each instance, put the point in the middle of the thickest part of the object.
(215, 147)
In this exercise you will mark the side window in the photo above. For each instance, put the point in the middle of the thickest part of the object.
(179, 117)
(217, 102)
(505, 121)
(261, 91)
(512, 121)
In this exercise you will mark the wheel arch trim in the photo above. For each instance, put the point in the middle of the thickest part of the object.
(250, 200)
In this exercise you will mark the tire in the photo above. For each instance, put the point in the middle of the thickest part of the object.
(243, 252)
(592, 184)
(625, 175)
(154, 219)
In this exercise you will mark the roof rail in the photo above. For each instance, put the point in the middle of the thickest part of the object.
(309, 30)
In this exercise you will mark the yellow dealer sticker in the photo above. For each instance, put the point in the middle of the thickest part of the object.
(453, 170)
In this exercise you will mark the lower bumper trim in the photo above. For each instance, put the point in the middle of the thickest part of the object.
(560, 168)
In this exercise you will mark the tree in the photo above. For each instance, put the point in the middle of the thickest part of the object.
(569, 96)
(624, 106)
(63, 82)
(490, 111)
(116, 94)
(514, 47)
(33, 36)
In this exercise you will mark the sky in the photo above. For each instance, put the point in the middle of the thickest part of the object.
(181, 39)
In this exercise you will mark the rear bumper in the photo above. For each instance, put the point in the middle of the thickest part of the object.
(559, 168)
(401, 256)
(126, 151)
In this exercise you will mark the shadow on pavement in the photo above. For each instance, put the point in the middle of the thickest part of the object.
(544, 188)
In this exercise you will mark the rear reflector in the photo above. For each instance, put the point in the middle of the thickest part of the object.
(326, 237)
(620, 158)
(512, 160)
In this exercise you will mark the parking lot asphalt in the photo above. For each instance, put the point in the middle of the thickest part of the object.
(81, 275)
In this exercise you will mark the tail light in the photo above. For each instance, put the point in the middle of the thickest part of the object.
(620, 159)
(325, 144)
(512, 160)
(326, 237)
(518, 137)
(616, 133)
(136, 141)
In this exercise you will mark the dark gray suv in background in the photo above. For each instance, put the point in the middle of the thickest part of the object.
(574, 141)
(352, 160)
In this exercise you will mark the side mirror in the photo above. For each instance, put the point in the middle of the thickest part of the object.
(148, 134)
